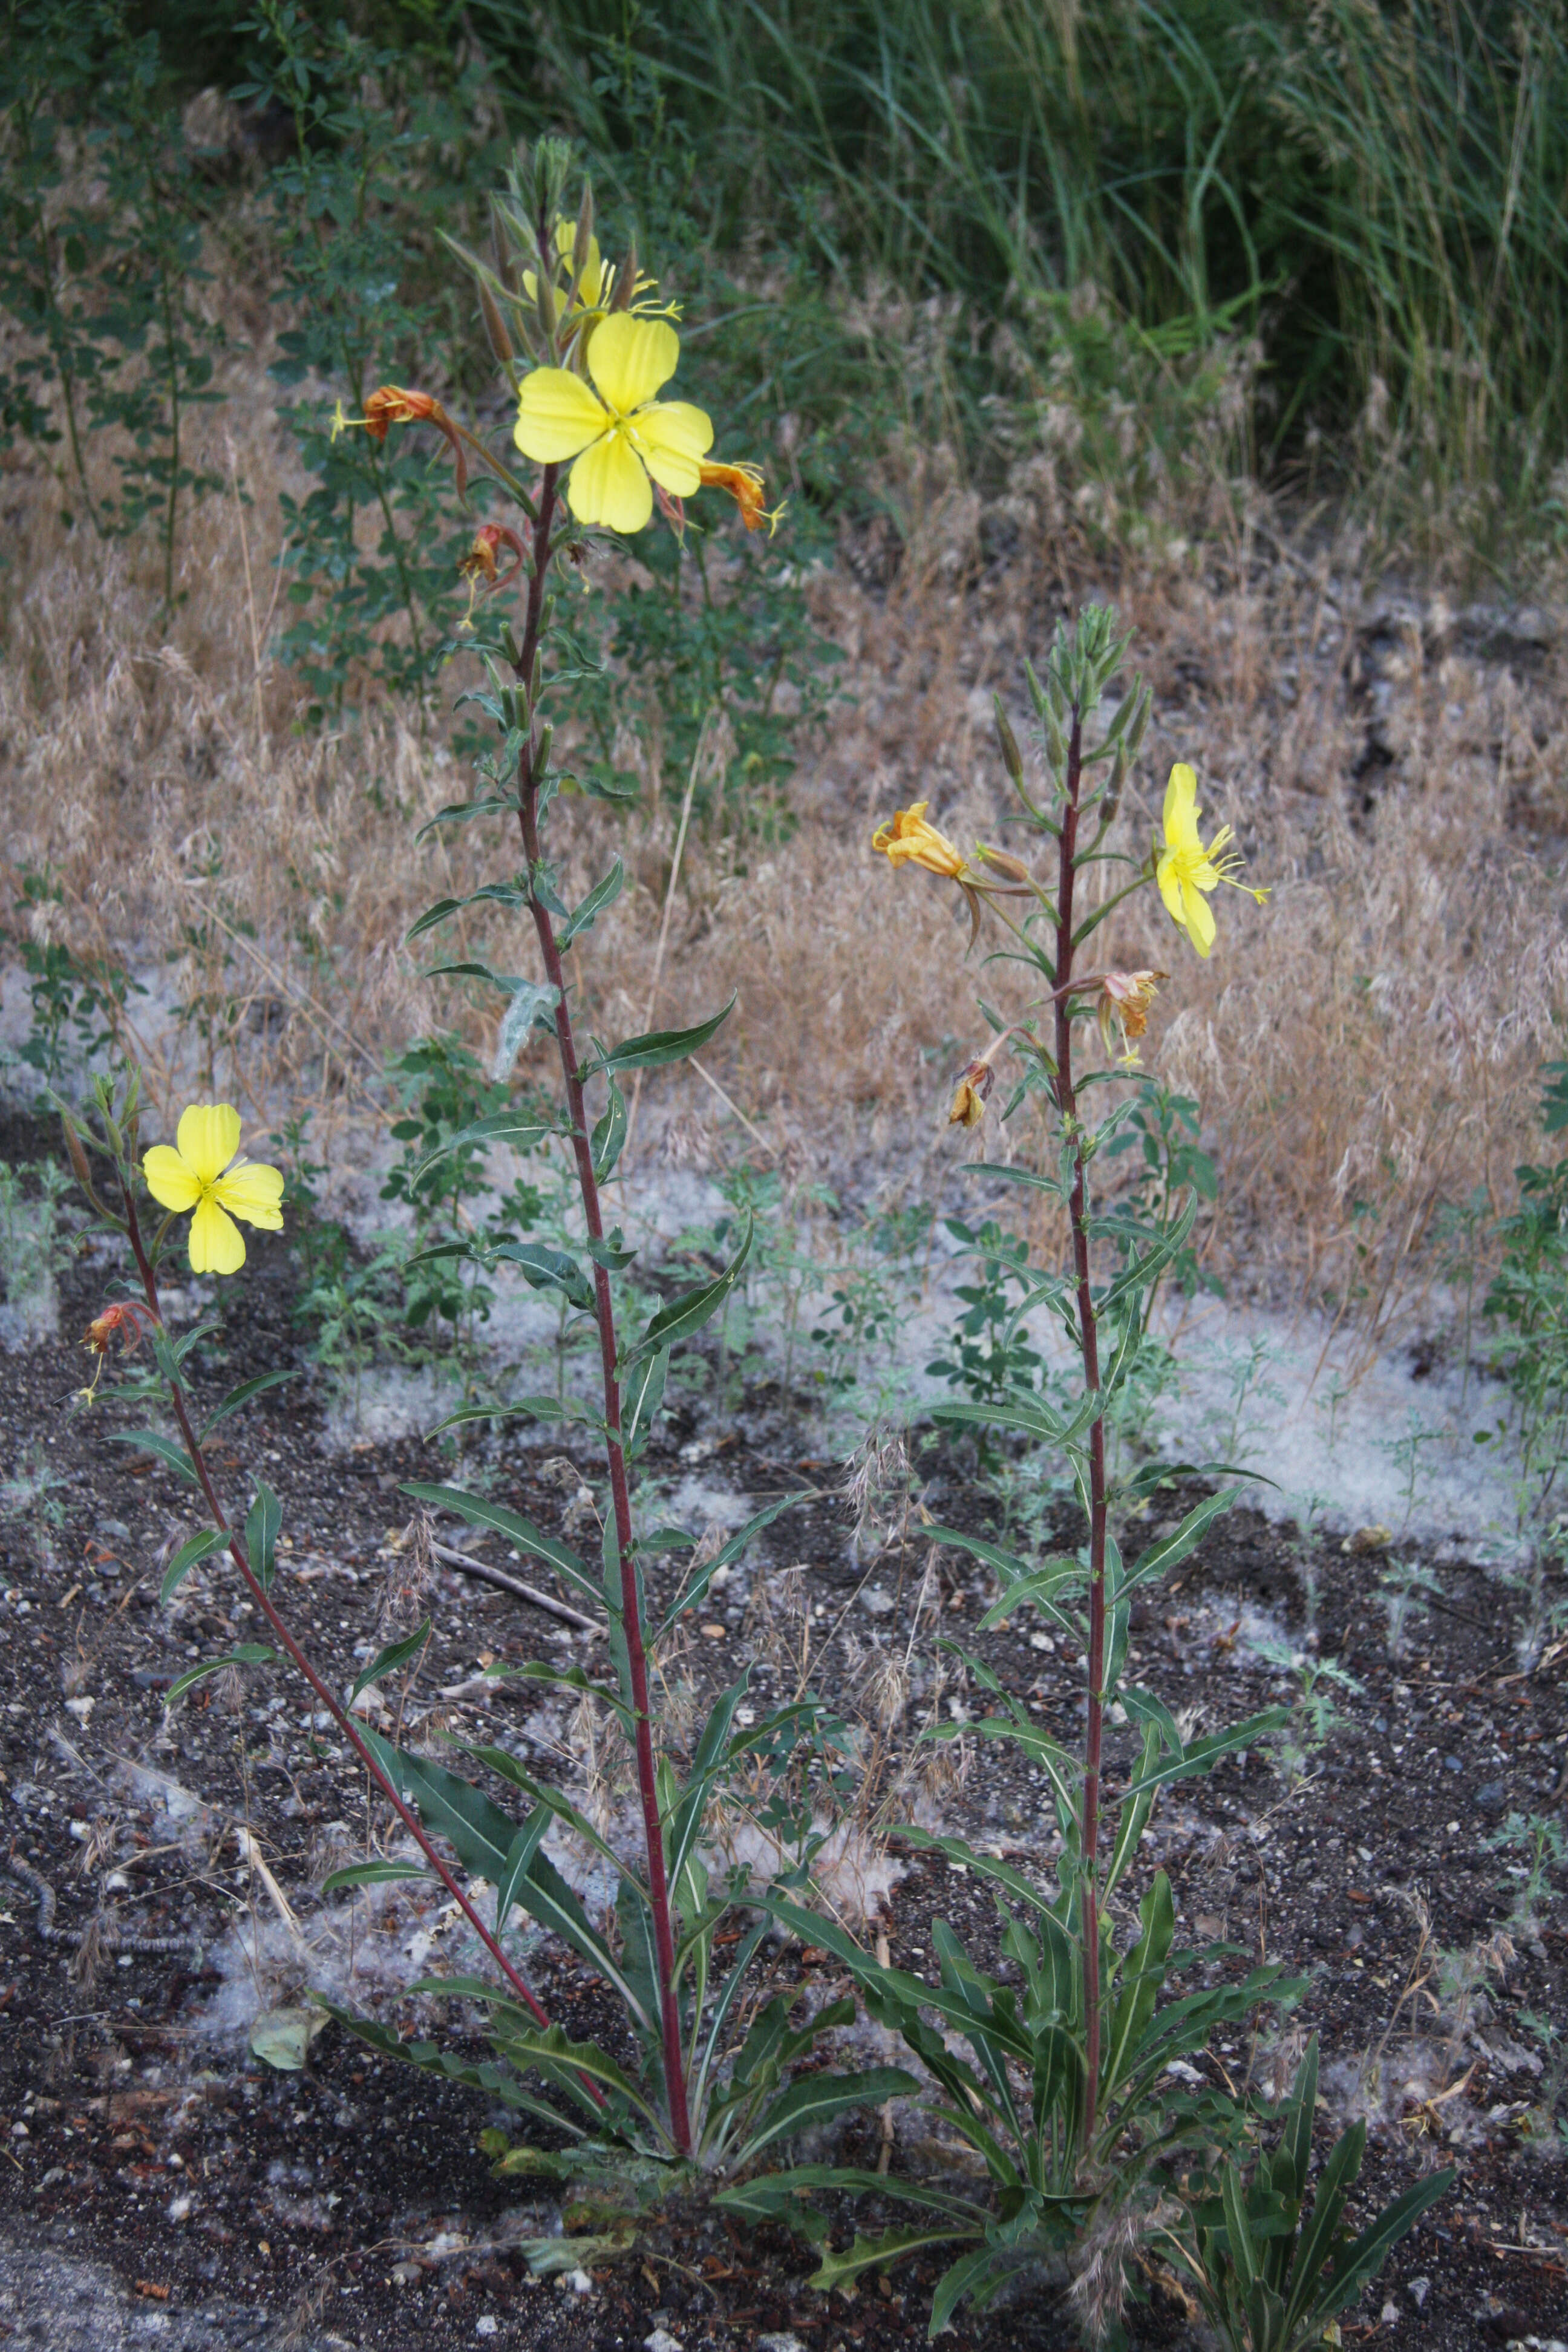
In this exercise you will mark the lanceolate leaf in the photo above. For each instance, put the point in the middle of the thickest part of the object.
(372, 1874)
(657, 1046)
(241, 1396)
(249, 1653)
(480, 1512)
(524, 1132)
(812, 2100)
(603, 894)
(873, 2254)
(387, 1660)
(262, 1522)
(529, 1408)
(726, 1557)
(609, 1136)
(194, 1547)
(1202, 1753)
(688, 1313)
(165, 1448)
(543, 1268)
(1185, 1538)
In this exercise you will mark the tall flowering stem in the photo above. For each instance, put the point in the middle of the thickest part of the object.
(1066, 1100)
(548, 527)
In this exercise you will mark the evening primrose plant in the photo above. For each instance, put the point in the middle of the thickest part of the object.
(711, 2082)
(1060, 2079)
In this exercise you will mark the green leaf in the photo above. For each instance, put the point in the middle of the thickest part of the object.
(609, 1136)
(1201, 1753)
(524, 1132)
(483, 1838)
(543, 1268)
(262, 1522)
(1365, 2258)
(372, 1874)
(387, 1660)
(507, 983)
(1166, 1554)
(241, 1396)
(640, 1400)
(163, 1448)
(480, 1512)
(610, 1253)
(815, 2099)
(770, 2196)
(965, 2277)
(727, 1556)
(603, 894)
(438, 913)
(872, 2253)
(194, 1547)
(531, 1407)
(657, 1046)
(688, 1313)
(499, 2082)
(248, 1653)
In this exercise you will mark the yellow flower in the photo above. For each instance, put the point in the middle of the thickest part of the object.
(596, 286)
(909, 840)
(192, 1175)
(1186, 871)
(617, 431)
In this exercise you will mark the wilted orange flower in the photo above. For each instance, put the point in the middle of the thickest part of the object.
(123, 1317)
(1124, 1001)
(909, 840)
(390, 404)
(745, 484)
(480, 567)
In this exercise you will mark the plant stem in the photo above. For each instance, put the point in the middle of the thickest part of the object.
(1089, 1342)
(631, 1612)
(327, 1697)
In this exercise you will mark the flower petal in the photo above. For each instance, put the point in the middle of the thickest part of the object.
(557, 416)
(254, 1191)
(208, 1137)
(217, 1245)
(607, 485)
(1200, 923)
(1181, 808)
(629, 358)
(170, 1182)
(670, 438)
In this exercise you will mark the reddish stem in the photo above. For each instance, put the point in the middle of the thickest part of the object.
(328, 1699)
(1089, 1342)
(620, 1496)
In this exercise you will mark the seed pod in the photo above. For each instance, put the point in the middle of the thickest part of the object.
(585, 235)
(495, 327)
(626, 284)
(542, 751)
(1140, 719)
(1012, 758)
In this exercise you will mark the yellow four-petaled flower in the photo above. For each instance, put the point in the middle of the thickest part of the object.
(195, 1174)
(909, 840)
(615, 429)
(1186, 871)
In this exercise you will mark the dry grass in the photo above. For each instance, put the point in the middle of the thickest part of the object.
(1364, 1051)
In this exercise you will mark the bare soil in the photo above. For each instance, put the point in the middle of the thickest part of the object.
(349, 2204)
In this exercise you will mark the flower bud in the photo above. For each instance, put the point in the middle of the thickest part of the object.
(1012, 869)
